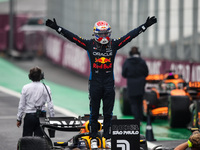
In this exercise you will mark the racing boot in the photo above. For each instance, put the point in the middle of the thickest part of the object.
(108, 143)
(94, 144)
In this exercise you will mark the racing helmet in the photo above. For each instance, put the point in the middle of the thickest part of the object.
(102, 32)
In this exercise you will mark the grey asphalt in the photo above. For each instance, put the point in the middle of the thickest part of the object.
(53, 72)
(9, 132)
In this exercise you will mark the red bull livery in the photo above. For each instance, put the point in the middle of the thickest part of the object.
(101, 52)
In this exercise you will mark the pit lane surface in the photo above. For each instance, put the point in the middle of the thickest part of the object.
(9, 132)
(14, 78)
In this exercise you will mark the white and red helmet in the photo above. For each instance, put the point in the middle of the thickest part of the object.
(102, 32)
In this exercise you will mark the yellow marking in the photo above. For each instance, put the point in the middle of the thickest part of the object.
(60, 142)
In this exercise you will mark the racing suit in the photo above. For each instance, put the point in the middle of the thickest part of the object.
(101, 79)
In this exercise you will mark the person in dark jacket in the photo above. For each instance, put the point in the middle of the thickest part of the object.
(135, 70)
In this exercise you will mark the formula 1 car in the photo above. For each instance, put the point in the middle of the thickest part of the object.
(167, 96)
(80, 140)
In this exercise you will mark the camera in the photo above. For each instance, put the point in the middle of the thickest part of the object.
(38, 112)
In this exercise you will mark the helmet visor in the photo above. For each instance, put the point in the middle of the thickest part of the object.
(102, 34)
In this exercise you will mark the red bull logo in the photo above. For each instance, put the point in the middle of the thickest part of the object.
(102, 60)
(102, 64)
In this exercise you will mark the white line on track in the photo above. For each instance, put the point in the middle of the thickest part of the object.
(57, 108)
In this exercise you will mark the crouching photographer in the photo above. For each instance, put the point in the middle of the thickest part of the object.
(193, 142)
(32, 102)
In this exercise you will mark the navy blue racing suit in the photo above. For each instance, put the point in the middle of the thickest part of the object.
(101, 80)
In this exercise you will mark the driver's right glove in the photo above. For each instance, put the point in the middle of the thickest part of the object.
(53, 25)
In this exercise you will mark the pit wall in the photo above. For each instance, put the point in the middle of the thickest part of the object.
(18, 42)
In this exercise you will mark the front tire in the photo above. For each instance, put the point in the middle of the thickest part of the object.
(32, 143)
(179, 114)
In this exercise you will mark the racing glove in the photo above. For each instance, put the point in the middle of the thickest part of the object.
(149, 22)
(53, 25)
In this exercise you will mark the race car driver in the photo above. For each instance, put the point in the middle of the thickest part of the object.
(101, 52)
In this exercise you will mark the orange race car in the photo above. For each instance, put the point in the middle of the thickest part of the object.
(167, 96)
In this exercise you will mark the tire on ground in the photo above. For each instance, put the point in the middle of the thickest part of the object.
(124, 102)
(178, 111)
(33, 143)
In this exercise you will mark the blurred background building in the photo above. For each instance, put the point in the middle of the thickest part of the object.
(173, 43)
(174, 37)
(25, 7)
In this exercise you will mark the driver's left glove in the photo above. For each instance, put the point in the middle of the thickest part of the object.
(149, 22)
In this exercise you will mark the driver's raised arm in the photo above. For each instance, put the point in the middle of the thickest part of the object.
(69, 35)
(119, 43)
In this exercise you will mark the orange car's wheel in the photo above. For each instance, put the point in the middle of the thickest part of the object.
(178, 111)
